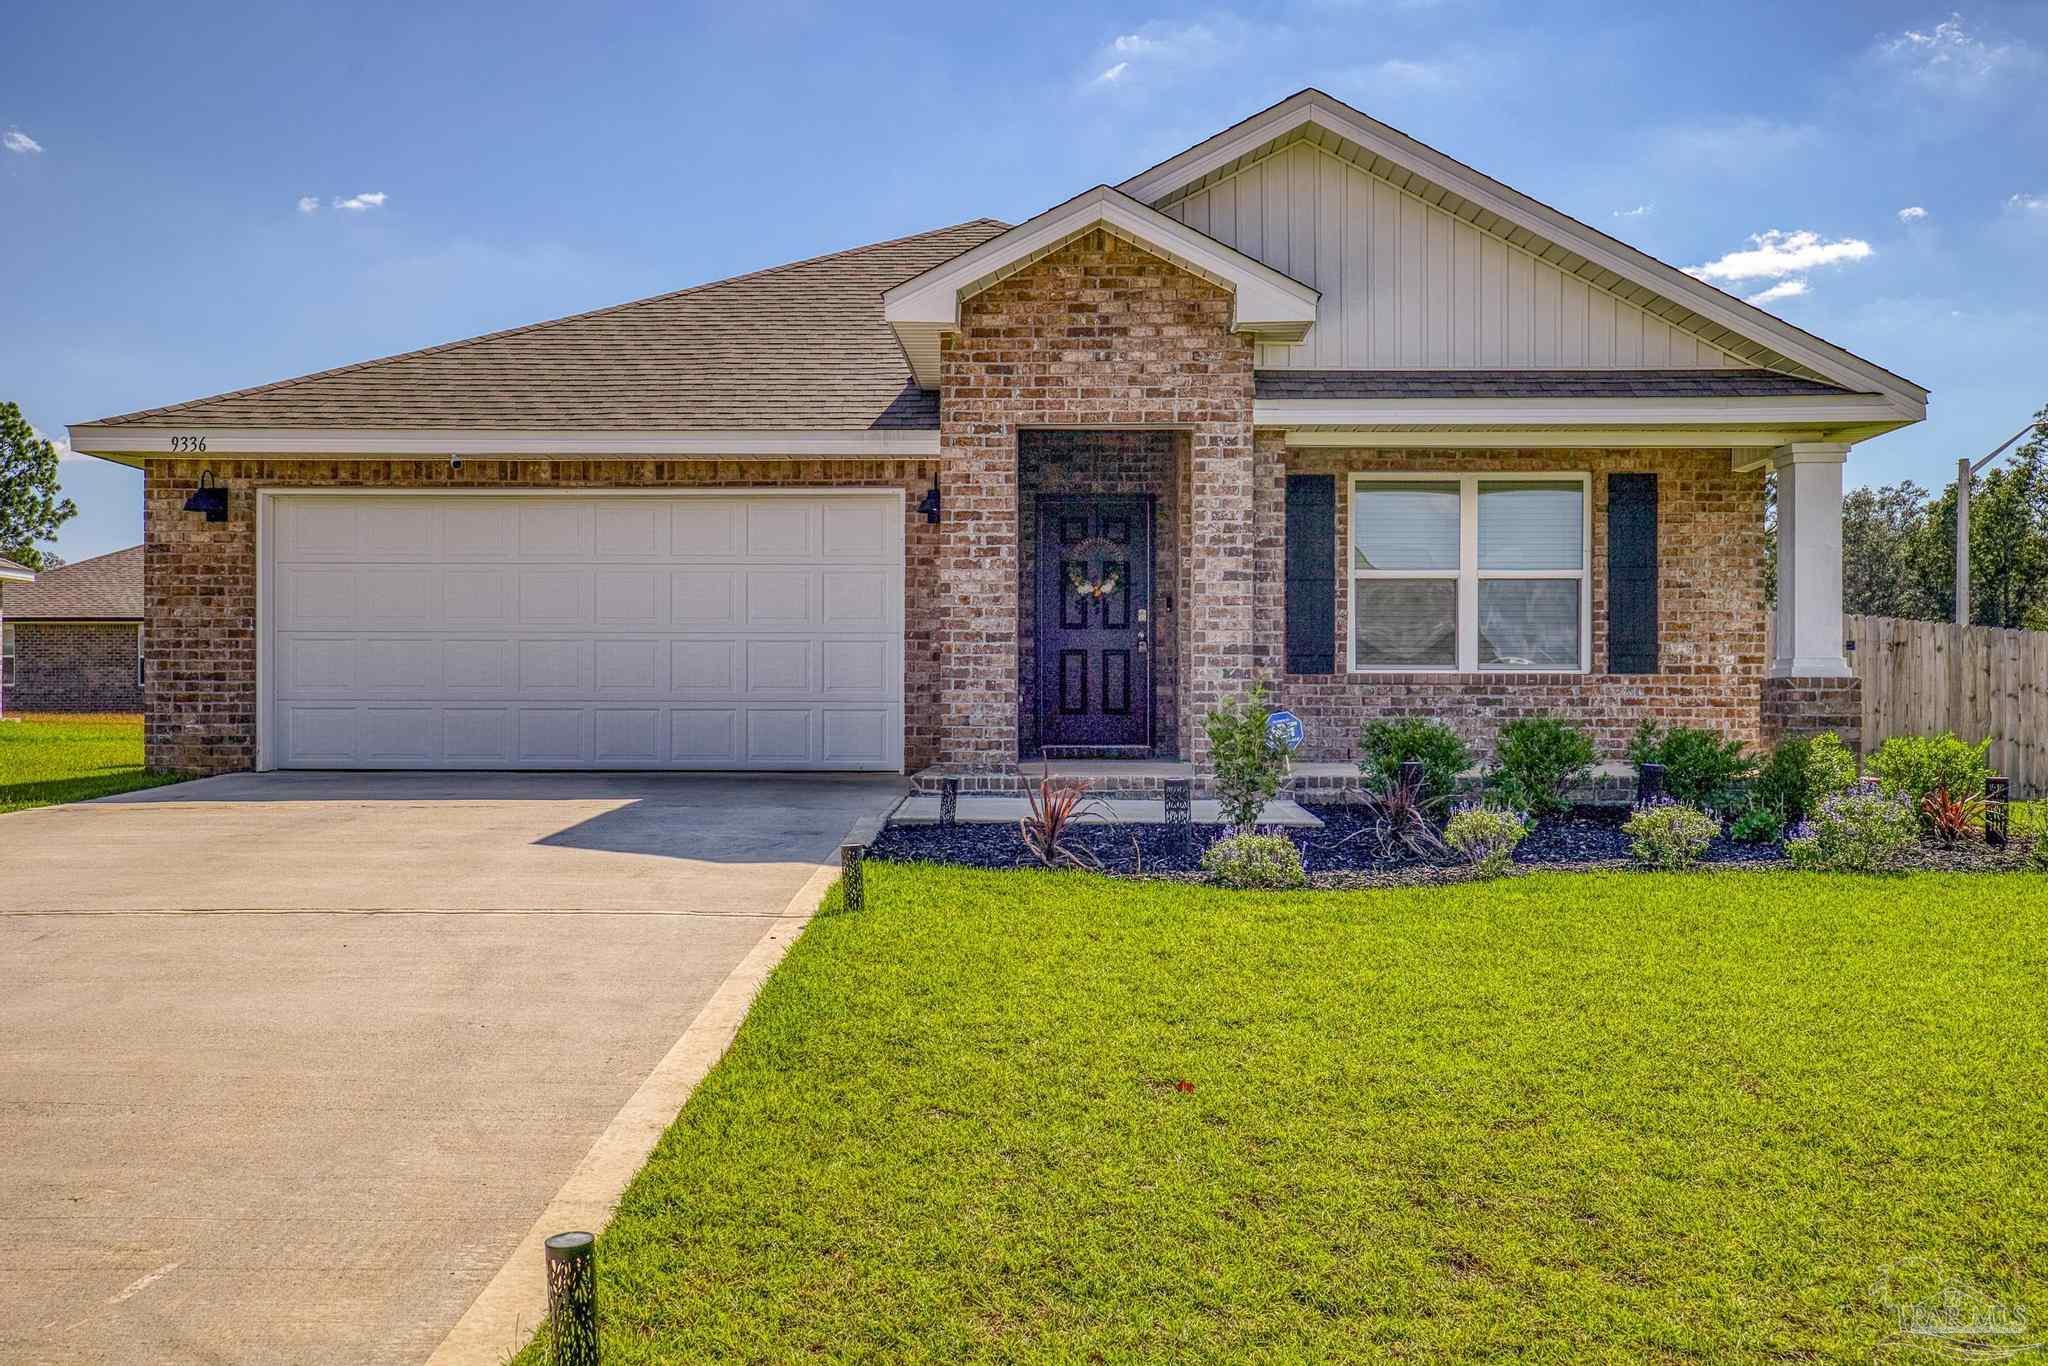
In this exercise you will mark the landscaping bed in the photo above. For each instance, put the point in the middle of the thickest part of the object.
(1344, 853)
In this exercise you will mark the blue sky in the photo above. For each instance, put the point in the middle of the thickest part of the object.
(200, 198)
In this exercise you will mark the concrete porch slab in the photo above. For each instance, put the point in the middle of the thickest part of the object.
(1114, 810)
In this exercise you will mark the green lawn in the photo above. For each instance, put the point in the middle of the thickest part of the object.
(1608, 1116)
(46, 759)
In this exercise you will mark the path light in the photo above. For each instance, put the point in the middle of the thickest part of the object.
(572, 1298)
(949, 800)
(210, 498)
(1997, 810)
(853, 876)
(1649, 783)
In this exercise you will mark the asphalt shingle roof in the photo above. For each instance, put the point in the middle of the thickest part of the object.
(106, 587)
(1307, 384)
(796, 347)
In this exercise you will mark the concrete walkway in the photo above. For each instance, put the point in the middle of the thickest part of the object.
(290, 1063)
(1100, 811)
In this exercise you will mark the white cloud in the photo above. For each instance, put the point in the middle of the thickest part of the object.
(62, 443)
(1639, 211)
(1784, 289)
(1740, 147)
(1774, 254)
(1912, 213)
(309, 203)
(1134, 43)
(14, 140)
(1950, 57)
(2028, 203)
(1115, 73)
(373, 199)
(1414, 75)
(1166, 47)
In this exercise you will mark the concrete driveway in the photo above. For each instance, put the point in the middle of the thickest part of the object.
(289, 1063)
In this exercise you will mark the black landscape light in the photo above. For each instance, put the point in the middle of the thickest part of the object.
(209, 498)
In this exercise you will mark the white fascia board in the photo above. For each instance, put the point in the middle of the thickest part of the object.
(131, 445)
(1265, 301)
(1313, 107)
(16, 576)
(1752, 446)
(1575, 412)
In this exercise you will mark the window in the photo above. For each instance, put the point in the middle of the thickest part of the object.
(1470, 573)
(6, 654)
(139, 676)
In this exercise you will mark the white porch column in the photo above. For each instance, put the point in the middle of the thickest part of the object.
(1809, 643)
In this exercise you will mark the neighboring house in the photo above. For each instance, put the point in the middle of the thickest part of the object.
(74, 636)
(10, 572)
(1310, 402)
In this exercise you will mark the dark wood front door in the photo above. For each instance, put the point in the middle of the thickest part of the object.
(1095, 623)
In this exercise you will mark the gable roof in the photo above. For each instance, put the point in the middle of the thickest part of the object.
(1399, 384)
(1265, 301)
(794, 347)
(103, 588)
(1745, 331)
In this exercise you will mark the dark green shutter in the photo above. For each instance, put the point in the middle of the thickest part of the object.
(1311, 573)
(1632, 573)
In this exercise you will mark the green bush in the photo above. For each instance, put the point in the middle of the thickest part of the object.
(2037, 853)
(1758, 823)
(1855, 832)
(1250, 762)
(1801, 774)
(1255, 862)
(1387, 744)
(1486, 836)
(1700, 768)
(1670, 835)
(1537, 761)
(1909, 767)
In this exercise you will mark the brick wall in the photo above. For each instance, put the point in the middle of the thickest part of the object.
(73, 666)
(1710, 606)
(200, 576)
(1794, 707)
(1109, 463)
(1098, 334)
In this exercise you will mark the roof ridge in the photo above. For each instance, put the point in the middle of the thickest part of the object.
(90, 559)
(274, 385)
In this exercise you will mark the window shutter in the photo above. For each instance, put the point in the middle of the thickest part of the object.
(1311, 573)
(1632, 573)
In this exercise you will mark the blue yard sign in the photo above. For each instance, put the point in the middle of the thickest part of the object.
(1285, 727)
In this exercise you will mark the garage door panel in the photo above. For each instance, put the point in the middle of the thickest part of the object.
(481, 631)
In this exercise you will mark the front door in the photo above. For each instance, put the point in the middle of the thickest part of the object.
(1095, 624)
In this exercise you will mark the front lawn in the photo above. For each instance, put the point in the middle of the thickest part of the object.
(50, 758)
(1057, 1116)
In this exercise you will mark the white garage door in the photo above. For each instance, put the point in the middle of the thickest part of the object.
(741, 631)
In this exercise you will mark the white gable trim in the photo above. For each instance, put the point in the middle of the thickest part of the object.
(1312, 110)
(1266, 302)
(132, 445)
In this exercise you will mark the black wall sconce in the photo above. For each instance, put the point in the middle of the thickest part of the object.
(210, 498)
(929, 504)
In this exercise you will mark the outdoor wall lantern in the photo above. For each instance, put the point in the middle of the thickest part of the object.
(929, 504)
(210, 498)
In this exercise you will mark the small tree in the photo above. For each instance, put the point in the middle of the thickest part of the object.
(30, 509)
(1250, 761)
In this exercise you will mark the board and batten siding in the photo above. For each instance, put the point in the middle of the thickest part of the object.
(1408, 286)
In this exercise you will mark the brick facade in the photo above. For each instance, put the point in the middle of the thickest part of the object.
(1795, 707)
(1710, 606)
(200, 579)
(1100, 334)
(73, 666)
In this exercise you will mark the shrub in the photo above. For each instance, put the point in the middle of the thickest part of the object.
(1386, 744)
(1056, 807)
(1255, 862)
(1399, 816)
(1911, 767)
(1801, 774)
(1670, 835)
(1759, 823)
(1950, 817)
(1700, 768)
(1854, 832)
(2037, 854)
(1486, 836)
(1250, 761)
(1537, 761)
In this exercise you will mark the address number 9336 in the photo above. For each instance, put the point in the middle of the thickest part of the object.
(181, 444)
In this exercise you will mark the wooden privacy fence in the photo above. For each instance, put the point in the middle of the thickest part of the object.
(1924, 677)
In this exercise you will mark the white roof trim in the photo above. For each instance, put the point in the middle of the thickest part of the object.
(131, 445)
(1314, 108)
(12, 575)
(1266, 302)
(1800, 411)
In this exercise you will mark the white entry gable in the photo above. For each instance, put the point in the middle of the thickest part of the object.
(1268, 304)
(1425, 263)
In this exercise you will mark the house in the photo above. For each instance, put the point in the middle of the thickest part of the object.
(1310, 402)
(74, 637)
(10, 572)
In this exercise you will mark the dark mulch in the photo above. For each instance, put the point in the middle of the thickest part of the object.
(1347, 852)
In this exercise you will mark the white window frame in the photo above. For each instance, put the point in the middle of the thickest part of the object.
(6, 648)
(1468, 573)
